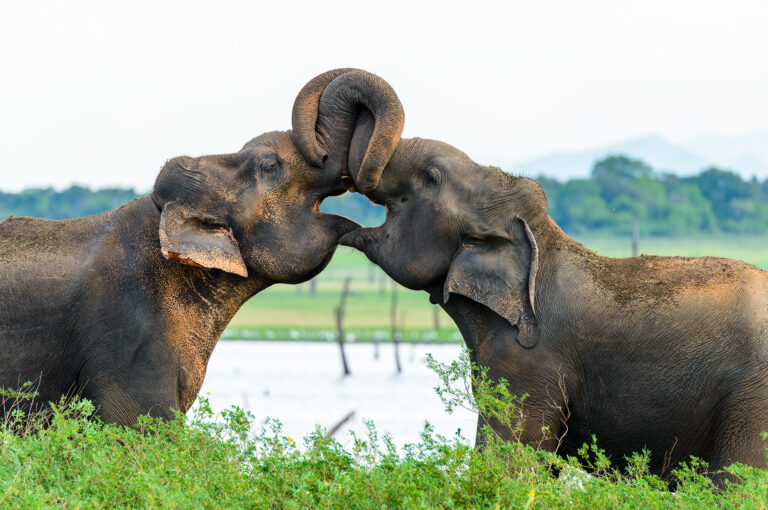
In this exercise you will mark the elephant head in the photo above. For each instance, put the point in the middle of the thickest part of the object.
(256, 211)
(454, 227)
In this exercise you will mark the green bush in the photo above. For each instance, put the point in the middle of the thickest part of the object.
(69, 458)
(622, 191)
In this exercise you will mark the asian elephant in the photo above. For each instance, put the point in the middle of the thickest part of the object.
(664, 353)
(125, 307)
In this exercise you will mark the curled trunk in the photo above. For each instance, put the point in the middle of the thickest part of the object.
(338, 104)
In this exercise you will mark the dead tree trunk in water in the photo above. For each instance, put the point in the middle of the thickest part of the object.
(340, 324)
(436, 317)
(340, 424)
(395, 331)
(635, 238)
(372, 279)
(313, 287)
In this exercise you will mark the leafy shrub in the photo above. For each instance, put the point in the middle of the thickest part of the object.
(68, 458)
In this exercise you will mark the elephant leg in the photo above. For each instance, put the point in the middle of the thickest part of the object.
(120, 398)
(541, 427)
(120, 405)
(738, 435)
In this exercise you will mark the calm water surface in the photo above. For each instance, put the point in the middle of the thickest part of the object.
(301, 385)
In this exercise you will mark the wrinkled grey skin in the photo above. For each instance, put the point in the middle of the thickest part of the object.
(664, 353)
(124, 308)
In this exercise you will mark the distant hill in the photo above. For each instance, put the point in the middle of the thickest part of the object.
(747, 155)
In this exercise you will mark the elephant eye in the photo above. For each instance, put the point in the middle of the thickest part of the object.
(268, 164)
(431, 176)
(474, 240)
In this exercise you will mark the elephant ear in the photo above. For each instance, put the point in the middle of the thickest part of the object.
(190, 239)
(498, 270)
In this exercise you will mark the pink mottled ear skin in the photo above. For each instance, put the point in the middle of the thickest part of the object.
(182, 238)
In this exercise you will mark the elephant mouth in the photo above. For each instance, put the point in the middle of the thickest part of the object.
(334, 227)
(347, 183)
(341, 186)
(337, 225)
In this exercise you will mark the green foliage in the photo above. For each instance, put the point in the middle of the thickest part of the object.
(465, 385)
(579, 201)
(69, 458)
(616, 175)
(59, 205)
(623, 190)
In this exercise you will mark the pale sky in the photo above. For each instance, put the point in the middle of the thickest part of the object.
(103, 93)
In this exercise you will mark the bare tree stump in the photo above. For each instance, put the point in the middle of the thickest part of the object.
(340, 324)
(635, 238)
(396, 336)
(340, 424)
(436, 317)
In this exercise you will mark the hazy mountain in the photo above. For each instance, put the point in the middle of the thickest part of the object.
(746, 155)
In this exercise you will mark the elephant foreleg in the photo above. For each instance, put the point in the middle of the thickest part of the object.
(538, 426)
(121, 399)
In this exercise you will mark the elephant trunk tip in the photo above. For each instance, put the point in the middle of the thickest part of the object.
(365, 186)
(352, 239)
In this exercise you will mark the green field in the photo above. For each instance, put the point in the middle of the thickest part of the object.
(289, 312)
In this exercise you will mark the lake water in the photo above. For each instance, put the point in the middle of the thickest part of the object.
(301, 385)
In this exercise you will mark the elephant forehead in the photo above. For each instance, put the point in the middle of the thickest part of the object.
(281, 144)
(215, 181)
(278, 140)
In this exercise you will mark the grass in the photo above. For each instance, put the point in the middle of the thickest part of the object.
(353, 334)
(288, 312)
(226, 461)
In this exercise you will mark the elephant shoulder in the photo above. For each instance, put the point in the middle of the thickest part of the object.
(43, 248)
(40, 263)
(650, 278)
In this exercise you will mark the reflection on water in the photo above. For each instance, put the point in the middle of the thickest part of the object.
(300, 384)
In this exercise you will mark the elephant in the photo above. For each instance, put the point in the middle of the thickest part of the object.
(124, 308)
(668, 354)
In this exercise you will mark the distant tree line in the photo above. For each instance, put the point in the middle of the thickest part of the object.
(619, 191)
(623, 190)
(60, 205)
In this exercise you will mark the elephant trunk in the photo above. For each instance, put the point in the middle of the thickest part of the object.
(306, 109)
(340, 104)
